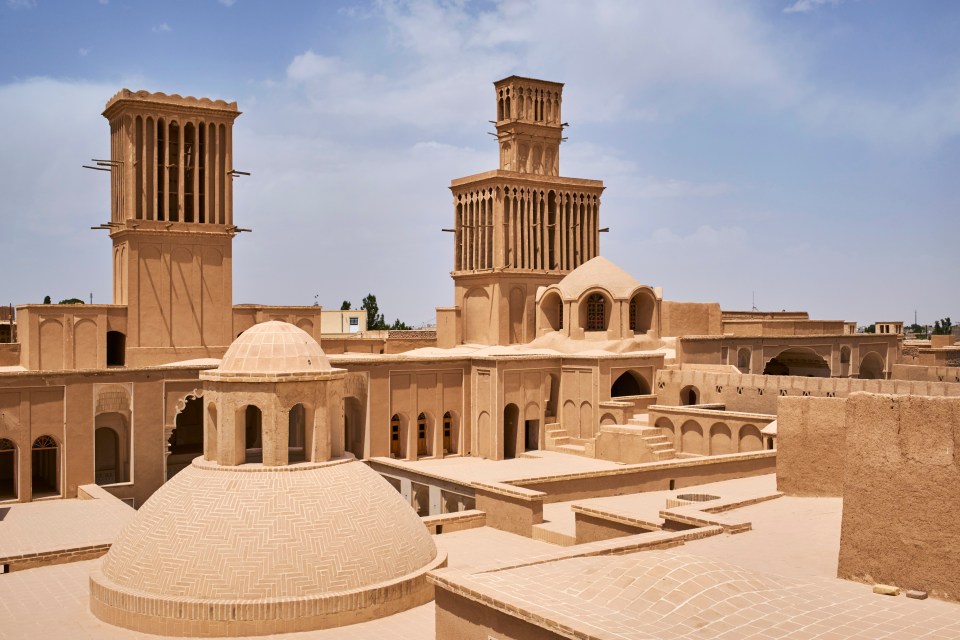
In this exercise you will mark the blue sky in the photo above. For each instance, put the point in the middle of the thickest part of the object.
(805, 152)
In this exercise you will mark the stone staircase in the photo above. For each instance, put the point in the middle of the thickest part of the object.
(661, 445)
(557, 439)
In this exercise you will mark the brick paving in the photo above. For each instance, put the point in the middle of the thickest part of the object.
(670, 594)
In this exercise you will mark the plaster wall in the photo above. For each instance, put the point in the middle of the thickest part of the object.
(901, 488)
(811, 446)
(926, 373)
(759, 394)
(690, 318)
(461, 618)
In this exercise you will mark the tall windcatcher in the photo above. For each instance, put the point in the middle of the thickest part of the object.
(521, 226)
(171, 222)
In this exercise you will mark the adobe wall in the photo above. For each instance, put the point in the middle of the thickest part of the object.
(710, 432)
(68, 407)
(901, 488)
(811, 446)
(9, 354)
(758, 394)
(781, 327)
(467, 619)
(690, 318)
(653, 476)
(926, 373)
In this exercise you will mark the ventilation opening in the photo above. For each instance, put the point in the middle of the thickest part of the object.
(116, 349)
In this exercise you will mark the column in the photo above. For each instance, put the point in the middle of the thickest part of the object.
(227, 176)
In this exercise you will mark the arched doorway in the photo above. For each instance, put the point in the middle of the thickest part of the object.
(629, 384)
(743, 360)
(353, 426)
(553, 395)
(398, 446)
(297, 434)
(449, 435)
(8, 470)
(424, 436)
(871, 367)
(642, 311)
(689, 396)
(106, 456)
(253, 434)
(45, 462)
(551, 306)
(186, 440)
(797, 361)
(750, 439)
(511, 418)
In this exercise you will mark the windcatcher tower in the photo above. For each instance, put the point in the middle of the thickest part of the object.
(171, 223)
(521, 226)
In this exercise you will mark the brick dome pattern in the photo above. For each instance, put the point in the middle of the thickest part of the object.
(273, 347)
(226, 551)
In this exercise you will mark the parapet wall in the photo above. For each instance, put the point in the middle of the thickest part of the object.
(926, 373)
(754, 393)
(811, 446)
(901, 488)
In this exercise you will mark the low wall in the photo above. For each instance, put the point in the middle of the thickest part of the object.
(510, 508)
(9, 354)
(811, 446)
(756, 393)
(926, 373)
(901, 488)
(459, 521)
(653, 476)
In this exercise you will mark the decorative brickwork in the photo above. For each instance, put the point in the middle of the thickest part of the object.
(254, 550)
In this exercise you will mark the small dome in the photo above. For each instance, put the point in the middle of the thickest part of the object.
(597, 272)
(274, 348)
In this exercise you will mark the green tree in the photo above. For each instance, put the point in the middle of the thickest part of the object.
(374, 317)
(46, 299)
(870, 329)
(345, 305)
(71, 301)
(399, 325)
(916, 328)
(942, 327)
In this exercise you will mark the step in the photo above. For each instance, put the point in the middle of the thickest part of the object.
(560, 441)
(575, 449)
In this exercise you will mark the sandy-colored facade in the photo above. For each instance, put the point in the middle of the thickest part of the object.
(560, 401)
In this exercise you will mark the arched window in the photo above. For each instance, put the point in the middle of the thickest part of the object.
(596, 316)
(633, 313)
(46, 479)
(8, 470)
(395, 450)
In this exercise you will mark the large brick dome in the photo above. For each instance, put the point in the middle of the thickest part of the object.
(253, 550)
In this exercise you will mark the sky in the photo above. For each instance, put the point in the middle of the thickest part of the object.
(794, 154)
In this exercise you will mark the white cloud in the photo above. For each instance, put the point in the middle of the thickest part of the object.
(705, 236)
(804, 6)
(227, 3)
(84, 51)
(163, 27)
(21, 4)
